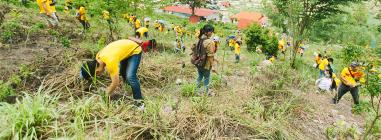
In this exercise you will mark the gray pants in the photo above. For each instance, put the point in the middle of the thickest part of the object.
(52, 20)
(343, 89)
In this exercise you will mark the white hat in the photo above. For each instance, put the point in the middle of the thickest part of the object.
(216, 39)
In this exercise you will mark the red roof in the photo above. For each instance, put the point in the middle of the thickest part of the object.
(202, 12)
(247, 18)
(225, 3)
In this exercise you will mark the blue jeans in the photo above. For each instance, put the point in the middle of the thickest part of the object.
(321, 74)
(128, 69)
(237, 58)
(203, 74)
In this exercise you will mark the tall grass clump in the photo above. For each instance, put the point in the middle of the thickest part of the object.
(29, 118)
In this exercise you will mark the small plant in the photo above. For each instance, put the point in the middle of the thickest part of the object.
(10, 31)
(65, 42)
(187, 90)
(216, 81)
(341, 130)
(15, 79)
(200, 104)
(25, 71)
(30, 118)
(5, 91)
(255, 108)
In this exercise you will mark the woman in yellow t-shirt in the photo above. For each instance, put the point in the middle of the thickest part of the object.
(120, 58)
(81, 16)
(237, 51)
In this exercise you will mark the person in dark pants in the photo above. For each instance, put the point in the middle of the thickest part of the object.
(204, 72)
(121, 57)
(351, 78)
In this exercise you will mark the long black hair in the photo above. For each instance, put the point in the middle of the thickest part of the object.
(88, 69)
(207, 28)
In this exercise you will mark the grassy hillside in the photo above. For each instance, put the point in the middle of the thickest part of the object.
(39, 69)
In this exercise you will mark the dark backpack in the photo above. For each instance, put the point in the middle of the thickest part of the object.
(199, 55)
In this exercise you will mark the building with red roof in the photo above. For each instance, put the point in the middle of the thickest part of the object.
(245, 19)
(186, 12)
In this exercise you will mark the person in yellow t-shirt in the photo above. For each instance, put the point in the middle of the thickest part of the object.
(196, 33)
(46, 13)
(142, 31)
(282, 46)
(237, 51)
(119, 58)
(161, 27)
(325, 64)
(272, 59)
(81, 16)
(351, 78)
(232, 42)
(106, 16)
(68, 6)
(146, 22)
(137, 24)
(131, 19)
(156, 25)
(317, 60)
(52, 6)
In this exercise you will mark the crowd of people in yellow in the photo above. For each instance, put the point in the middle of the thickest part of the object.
(122, 57)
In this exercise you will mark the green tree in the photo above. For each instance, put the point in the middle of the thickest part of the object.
(299, 15)
(345, 27)
(258, 36)
(373, 86)
(193, 4)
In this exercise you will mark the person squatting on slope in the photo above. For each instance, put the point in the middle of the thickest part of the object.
(121, 57)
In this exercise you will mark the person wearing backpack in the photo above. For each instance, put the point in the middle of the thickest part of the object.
(203, 57)
(350, 77)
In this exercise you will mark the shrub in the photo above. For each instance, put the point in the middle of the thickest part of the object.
(10, 30)
(352, 52)
(30, 118)
(5, 91)
(258, 36)
(187, 90)
(65, 42)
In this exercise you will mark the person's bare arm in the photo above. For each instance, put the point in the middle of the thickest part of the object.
(46, 8)
(114, 83)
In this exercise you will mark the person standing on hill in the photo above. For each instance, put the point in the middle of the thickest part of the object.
(324, 64)
(282, 46)
(137, 24)
(81, 16)
(46, 13)
(203, 57)
(237, 51)
(351, 79)
(121, 57)
(317, 60)
(52, 5)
